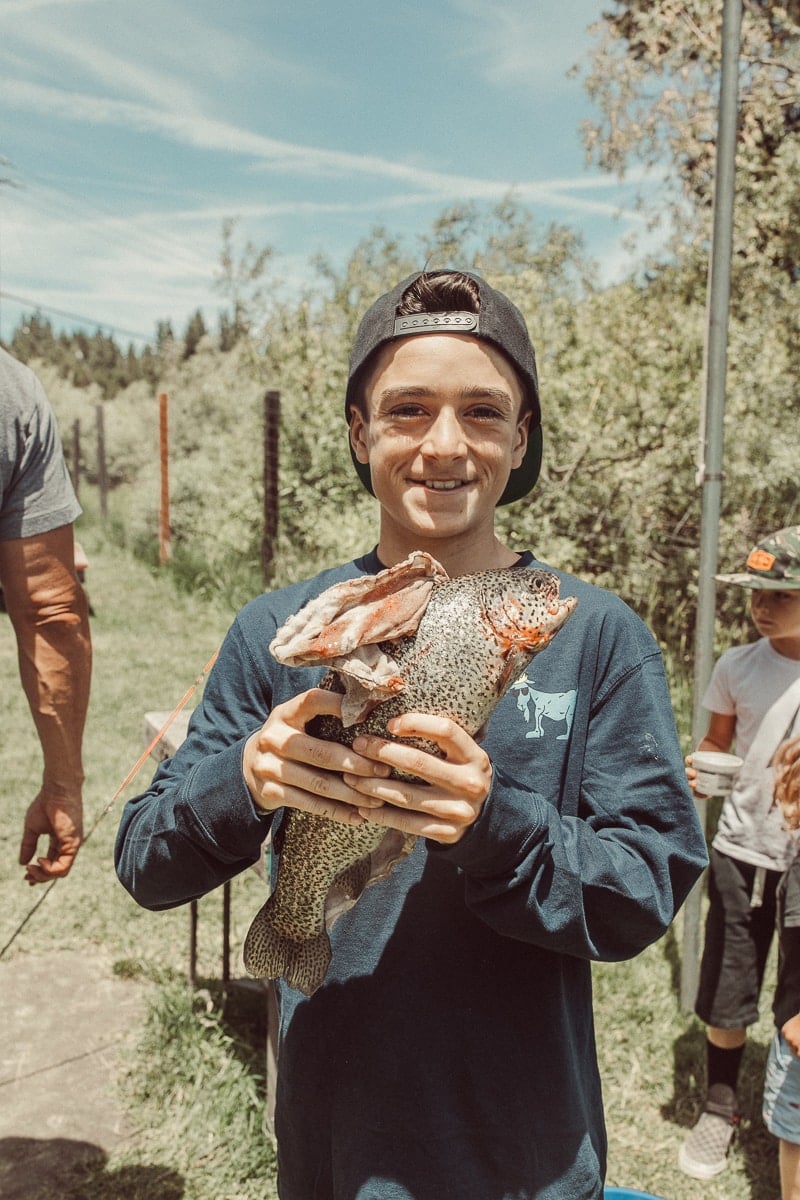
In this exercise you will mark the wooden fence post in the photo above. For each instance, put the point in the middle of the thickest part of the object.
(164, 534)
(76, 455)
(272, 415)
(102, 475)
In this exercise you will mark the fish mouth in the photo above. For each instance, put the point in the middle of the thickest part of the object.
(563, 604)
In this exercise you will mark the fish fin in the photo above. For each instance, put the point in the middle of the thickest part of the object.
(361, 698)
(346, 889)
(349, 884)
(512, 667)
(268, 954)
(385, 857)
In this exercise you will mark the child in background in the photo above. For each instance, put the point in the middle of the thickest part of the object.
(752, 700)
(781, 1109)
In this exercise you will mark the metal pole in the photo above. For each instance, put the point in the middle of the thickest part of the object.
(711, 433)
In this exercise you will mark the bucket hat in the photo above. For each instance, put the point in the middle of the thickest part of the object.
(773, 563)
(498, 321)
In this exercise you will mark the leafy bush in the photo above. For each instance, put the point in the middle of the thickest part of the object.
(622, 378)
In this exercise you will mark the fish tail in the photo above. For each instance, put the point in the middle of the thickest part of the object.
(270, 954)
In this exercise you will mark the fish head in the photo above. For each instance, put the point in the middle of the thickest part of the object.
(524, 611)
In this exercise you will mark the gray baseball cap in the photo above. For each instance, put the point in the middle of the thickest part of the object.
(499, 322)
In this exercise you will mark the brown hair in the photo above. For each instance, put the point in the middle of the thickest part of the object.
(431, 292)
(787, 781)
(440, 291)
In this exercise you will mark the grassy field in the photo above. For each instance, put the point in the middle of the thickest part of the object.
(195, 1088)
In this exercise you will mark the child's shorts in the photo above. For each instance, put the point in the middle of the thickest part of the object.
(737, 940)
(781, 1109)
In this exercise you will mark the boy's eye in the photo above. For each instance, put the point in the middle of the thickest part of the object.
(406, 410)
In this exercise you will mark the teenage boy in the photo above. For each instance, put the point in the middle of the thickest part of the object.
(752, 700)
(450, 1050)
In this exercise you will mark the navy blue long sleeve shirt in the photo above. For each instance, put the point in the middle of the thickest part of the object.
(451, 1050)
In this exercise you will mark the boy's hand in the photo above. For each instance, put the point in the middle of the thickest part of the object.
(454, 787)
(691, 774)
(284, 766)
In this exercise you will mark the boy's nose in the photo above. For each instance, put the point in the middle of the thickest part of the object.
(445, 437)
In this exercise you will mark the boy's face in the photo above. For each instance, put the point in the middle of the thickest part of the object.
(442, 431)
(776, 614)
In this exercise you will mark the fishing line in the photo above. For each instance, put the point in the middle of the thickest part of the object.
(134, 771)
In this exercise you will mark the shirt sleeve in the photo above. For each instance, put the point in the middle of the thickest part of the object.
(196, 826)
(36, 494)
(718, 696)
(599, 874)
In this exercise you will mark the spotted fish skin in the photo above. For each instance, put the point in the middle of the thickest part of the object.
(474, 639)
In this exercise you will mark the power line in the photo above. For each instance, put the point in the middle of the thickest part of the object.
(60, 312)
(50, 197)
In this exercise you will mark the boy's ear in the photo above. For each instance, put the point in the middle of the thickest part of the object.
(358, 434)
(521, 444)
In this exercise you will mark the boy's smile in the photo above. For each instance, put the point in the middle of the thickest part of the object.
(443, 430)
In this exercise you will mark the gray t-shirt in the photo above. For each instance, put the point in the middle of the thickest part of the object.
(36, 493)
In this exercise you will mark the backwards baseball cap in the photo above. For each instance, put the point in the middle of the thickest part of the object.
(498, 321)
(774, 563)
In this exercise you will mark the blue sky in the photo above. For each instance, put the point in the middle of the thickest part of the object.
(133, 130)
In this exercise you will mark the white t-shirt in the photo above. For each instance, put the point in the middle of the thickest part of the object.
(752, 683)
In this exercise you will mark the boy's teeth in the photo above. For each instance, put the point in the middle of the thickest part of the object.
(441, 484)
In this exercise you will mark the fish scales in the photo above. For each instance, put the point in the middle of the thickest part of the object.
(474, 638)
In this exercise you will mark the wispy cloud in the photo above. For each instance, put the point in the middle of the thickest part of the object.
(205, 133)
(513, 44)
(12, 8)
(135, 133)
(119, 73)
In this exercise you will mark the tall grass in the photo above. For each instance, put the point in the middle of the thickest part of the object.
(194, 1086)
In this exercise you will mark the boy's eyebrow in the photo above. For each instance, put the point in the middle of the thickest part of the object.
(478, 392)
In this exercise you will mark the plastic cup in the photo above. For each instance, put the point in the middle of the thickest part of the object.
(716, 772)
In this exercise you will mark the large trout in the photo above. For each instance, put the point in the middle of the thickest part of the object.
(408, 639)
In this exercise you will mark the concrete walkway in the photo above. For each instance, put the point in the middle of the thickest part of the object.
(67, 1023)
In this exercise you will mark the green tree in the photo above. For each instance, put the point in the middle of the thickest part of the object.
(193, 334)
(654, 75)
(241, 278)
(34, 338)
(165, 337)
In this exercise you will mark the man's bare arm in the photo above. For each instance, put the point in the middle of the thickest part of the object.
(49, 612)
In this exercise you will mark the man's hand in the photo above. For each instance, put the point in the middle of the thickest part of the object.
(286, 767)
(455, 786)
(60, 818)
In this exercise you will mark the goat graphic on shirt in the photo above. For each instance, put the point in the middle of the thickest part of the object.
(536, 707)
